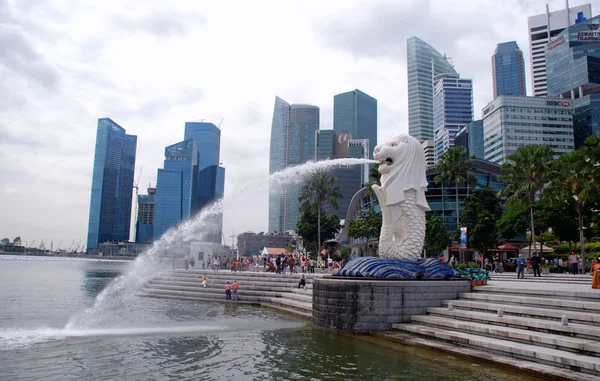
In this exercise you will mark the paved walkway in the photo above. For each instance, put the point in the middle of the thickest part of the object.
(546, 286)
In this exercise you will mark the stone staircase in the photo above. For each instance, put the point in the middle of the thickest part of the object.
(545, 278)
(552, 330)
(274, 290)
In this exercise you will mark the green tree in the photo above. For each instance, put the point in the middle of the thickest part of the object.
(514, 220)
(308, 230)
(17, 241)
(4, 241)
(482, 210)
(572, 178)
(368, 225)
(526, 172)
(455, 167)
(319, 190)
(436, 235)
(375, 178)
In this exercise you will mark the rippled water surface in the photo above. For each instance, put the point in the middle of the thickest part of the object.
(153, 339)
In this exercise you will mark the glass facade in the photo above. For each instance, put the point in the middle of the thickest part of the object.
(293, 133)
(512, 121)
(112, 185)
(508, 70)
(424, 63)
(442, 197)
(176, 186)
(208, 140)
(544, 28)
(356, 112)
(586, 118)
(324, 144)
(144, 230)
(452, 109)
(471, 137)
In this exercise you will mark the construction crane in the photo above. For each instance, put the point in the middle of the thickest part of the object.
(137, 190)
(221, 122)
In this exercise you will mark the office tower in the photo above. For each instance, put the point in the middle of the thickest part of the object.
(176, 186)
(144, 229)
(292, 143)
(324, 144)
(512, 121)
(471, 137)
(429, 154)
(452, 109)
(424, 64)
(573, 65)
(211, 175)
(356, 112)
(112, 185)
(543, 28)
(508, 70)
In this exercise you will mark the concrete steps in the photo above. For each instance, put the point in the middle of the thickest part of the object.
(529, 326)
(269, 289)
(548, 356)
(545, 278)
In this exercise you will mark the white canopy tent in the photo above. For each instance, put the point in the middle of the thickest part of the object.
(543, 249)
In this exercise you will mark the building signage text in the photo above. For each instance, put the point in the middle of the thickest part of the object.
(556, 43)
(558, 103)
(487, 110)
(592, 34)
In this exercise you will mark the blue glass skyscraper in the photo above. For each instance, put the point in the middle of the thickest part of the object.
(452, 109)
(508, 70)
(424, 64)
(573, 70)
(176, 186)
(208, 141)
(112, 185)
(293, 134)
(356, 112)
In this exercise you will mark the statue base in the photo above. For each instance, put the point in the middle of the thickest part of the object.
(384, 268)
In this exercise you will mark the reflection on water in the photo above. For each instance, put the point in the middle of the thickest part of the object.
(176, 340)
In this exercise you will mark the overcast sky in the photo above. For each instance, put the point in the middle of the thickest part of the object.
(153, 65)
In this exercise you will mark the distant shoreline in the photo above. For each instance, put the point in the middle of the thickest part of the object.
(74, 256)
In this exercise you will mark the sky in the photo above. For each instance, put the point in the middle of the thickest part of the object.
(153, 65)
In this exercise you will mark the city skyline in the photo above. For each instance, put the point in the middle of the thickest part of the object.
(62, 79)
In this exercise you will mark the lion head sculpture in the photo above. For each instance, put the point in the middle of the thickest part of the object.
(402, 167)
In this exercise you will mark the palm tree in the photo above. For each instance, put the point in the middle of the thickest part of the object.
(319, 190)
(525, 173)
(455, 167)
(570, 177)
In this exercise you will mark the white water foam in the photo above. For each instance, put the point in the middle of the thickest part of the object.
(19, 338)
(175, 243)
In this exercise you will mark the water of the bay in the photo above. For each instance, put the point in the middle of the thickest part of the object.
(155, 339)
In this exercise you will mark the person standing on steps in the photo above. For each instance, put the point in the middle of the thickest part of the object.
(204, 280)
(596, 273)
(278, 263)
(521, 267)
(234, 288)
(227, 291)
(535, 265)
(573, 263)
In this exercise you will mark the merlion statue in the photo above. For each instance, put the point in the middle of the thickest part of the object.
(401, 197)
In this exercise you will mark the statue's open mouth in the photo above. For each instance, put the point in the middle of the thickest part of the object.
(388, 161)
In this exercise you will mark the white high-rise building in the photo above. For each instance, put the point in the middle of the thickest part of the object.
(542, 29)
(513, 121)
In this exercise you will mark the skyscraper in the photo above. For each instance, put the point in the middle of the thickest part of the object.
(356, 112)
(292, 143)
(144, 229)
(176, 186)
(508, 70)
(543, 28)
(211, 175)
(424, 63)
(573, 64)
(452, 109)
(112, 185)
(471, 137)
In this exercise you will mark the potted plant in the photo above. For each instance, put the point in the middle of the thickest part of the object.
(475, 274)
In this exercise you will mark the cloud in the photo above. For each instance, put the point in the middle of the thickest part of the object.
(18, 54)
(160, 23)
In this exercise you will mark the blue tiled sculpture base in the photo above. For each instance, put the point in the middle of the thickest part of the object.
(383, 268)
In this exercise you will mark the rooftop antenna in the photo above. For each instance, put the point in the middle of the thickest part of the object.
(221, 122)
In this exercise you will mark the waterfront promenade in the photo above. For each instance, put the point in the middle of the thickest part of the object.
(548, 326)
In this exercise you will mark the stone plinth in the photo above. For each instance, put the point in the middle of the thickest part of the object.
(363, 305)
